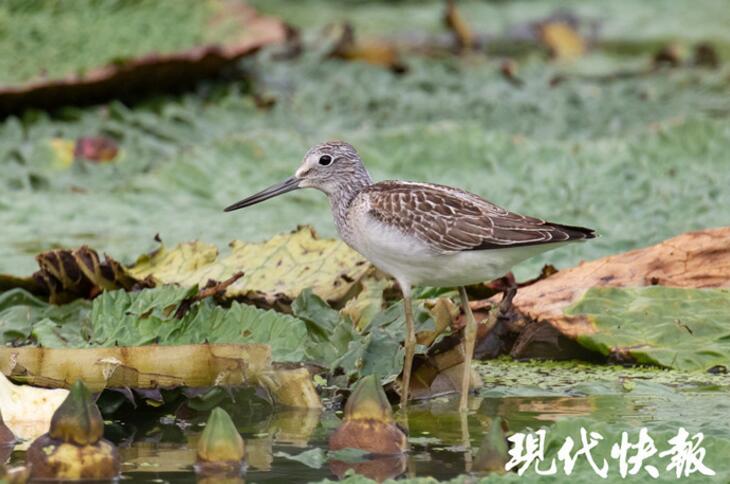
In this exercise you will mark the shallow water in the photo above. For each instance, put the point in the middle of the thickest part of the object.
(443, 444)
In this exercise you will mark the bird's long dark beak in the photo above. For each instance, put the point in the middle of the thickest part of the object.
(291, 183)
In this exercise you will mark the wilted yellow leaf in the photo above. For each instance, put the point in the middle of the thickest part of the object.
(564, 42)
(63, 152)
(275, 270)
(362, 309)
(291, 388)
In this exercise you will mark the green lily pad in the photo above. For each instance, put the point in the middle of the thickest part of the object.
(686, 329)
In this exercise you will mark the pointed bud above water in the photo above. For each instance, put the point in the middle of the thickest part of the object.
(78, 419)
(220, 441)
(368, 424)
(73, 449)
(492, 455)
(368, 401)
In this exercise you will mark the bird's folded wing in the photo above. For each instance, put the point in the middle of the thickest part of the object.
(452, 220)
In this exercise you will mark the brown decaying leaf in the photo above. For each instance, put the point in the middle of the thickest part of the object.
(705, 55)
(439, 372)
(137, 367)
(562, 40)
(373, 51)
(290, 388)
(66, 275)
(458, 26)
(152, 72)
(212, 289)
(96, 148)
(670, 55)
(508, 68)
(692, 260)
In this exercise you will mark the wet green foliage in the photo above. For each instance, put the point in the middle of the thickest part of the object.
(165, 315)
(56, 38)
(656, 144)
(676, 328)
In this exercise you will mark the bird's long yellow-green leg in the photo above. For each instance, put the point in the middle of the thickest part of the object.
(470, 334)
(410, 346)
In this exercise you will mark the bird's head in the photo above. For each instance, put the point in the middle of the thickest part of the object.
(328, 167)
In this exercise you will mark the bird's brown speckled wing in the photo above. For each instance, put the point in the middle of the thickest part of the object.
(452, 220)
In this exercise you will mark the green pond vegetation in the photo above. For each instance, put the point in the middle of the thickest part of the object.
(639, 158)
(52, 39)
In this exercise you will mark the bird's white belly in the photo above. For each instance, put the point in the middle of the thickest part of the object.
(412, 262)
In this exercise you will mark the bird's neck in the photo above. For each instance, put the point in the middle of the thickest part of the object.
(344, 193)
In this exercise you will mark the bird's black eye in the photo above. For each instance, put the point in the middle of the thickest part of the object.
(325, 160)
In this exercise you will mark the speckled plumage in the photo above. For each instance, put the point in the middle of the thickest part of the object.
(421, 233)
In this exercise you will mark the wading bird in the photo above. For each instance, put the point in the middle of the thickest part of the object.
(422, 234)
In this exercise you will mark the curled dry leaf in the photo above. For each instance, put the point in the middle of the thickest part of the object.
(558, 316)
(562, 40)
(693, 260)
(439, 372)
(458, 26)
(69, 274)
(291, 388)
(275, 271)
(378, 52)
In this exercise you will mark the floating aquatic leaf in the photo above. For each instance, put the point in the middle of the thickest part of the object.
(314, 458)
(164, 47)
(25, 318)
(687, 329)
(131, 319)
(693, 260)
(275, 271)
